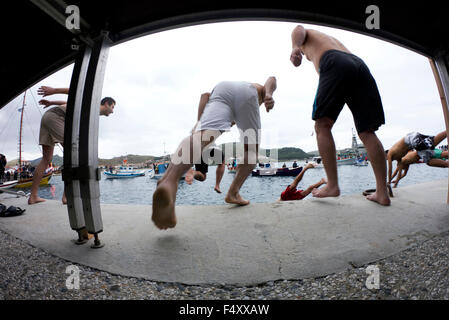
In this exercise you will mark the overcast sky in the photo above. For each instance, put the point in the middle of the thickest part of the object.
(157, 81)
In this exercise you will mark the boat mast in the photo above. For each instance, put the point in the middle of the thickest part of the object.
(20, 133)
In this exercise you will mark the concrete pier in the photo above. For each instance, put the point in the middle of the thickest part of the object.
(241, 245)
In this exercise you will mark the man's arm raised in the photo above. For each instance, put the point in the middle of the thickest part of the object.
(48, 91)
(299, 35)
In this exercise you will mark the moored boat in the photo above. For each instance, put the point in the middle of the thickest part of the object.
(27, 182)
(124, 172)
(279, 172)
(346, 161)
(8, 184)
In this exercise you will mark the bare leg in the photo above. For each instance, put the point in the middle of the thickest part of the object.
(164, 196)
(47, 155)
(326, 147)
(376, 155)
(439, 137)
(219, 175)
(439, 163)
(243, 171)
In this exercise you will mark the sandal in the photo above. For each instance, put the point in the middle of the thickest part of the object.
(2, 208)
(370, 191)
(12, 212)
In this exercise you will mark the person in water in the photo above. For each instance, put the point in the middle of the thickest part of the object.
(291, 193)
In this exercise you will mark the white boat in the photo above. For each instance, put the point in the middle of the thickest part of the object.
(8, 184)
(158, 171)
(361, 163)
(317, 162)
(124, 172)
(346, 161)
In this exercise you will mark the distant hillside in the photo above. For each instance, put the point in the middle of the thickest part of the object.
(57, 161)
(284, 154)
(289, 153)
(132, 158)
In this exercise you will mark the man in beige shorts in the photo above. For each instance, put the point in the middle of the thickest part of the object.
(52, 132)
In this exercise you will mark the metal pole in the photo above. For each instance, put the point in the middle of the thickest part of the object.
(440, 72)
(71, 143)
(88, 137)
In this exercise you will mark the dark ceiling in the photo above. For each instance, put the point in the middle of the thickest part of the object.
(36, 45)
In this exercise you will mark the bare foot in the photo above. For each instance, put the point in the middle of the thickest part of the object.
(236, 199)
(164, 206)
(384, 200)
(217, 190)
(64, 200)
(326, 192)
(33, 200)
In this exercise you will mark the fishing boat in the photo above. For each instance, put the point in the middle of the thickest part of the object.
(317, 162)
(124, 172)
(346, 161)
(278, 172)
(27, 182)
(8, 184)
(232, 167)
(158, 171)
(361, 162)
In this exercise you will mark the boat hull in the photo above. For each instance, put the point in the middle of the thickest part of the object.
(8, 184)
(276, 172)
(26, 183)
(344, 162)
(110, 175)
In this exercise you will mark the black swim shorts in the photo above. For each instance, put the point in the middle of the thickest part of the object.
(203, 166)
(345, 78)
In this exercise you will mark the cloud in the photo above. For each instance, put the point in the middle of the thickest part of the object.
(157, 81)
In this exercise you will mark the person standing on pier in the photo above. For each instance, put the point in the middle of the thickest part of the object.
(52, 132)
(344, 78)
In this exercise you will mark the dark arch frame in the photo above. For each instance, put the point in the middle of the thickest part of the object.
(418, 27)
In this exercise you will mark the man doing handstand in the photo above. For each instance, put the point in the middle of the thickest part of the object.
(413, 140)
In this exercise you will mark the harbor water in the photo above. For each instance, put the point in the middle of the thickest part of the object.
(139, 190)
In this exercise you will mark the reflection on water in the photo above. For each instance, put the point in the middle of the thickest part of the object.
(140, 190)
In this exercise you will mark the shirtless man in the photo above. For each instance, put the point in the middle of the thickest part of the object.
(433, 158)
(52, 132)
(344, 78)
(413, 140)
(228, 102)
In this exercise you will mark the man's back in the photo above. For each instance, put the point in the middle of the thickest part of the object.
(317, 43)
